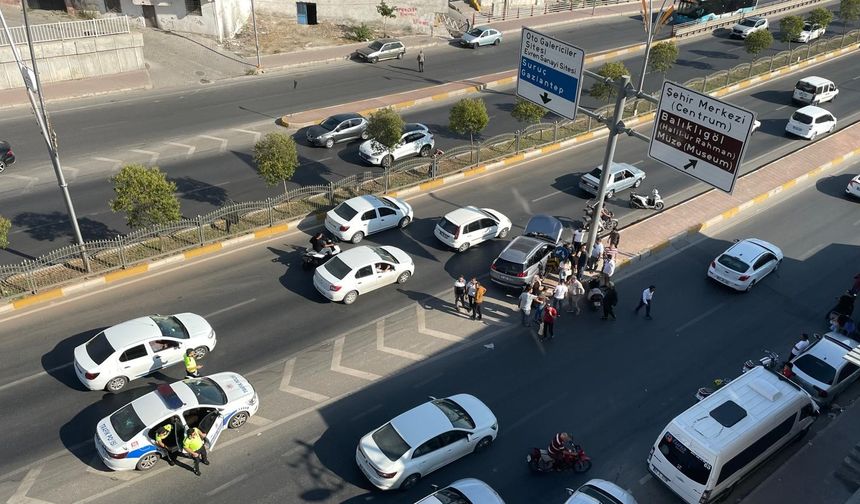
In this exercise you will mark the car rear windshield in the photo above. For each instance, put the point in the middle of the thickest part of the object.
(451, 496)
(329, 124)
(207, 391)
(748, 22)
(805, 87)
(801, 118)
(596, 172)
(448, 226)
(733, 263)
(476, 32)
(337, 268)
(99, 348)
(389, 442)
(385, 255)
(345, 211)
(376, 46)
(455, 413)
(126, 423)
(599, 496)
(816, 368)
(684, 460)
(508, 267)
(170, 327)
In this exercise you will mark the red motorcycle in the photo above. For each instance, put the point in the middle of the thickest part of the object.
(574, 458)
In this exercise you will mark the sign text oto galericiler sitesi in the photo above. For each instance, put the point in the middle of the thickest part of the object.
(550, 73)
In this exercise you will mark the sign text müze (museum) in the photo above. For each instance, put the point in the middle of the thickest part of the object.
(550, 73)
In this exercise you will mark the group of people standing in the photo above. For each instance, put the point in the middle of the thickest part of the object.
(469, 295)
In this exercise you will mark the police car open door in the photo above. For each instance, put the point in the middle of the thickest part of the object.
(212, 424)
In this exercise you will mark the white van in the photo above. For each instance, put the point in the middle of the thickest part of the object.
(705, 451)
(814, 90)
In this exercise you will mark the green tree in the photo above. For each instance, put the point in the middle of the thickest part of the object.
(387, 12)
(385, 126)
(145, 196)
(5, 226)
(612, 70)
(662, 56)
(526, 111)
(790, 28)
(276, 158)
(849, 11)
(820, 16)
(757, 42)
(468, 115)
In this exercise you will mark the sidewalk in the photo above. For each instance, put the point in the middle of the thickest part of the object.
(58, 91)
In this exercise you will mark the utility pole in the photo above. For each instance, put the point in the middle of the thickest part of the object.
(256, 37)
(651, 30)
(32, 84)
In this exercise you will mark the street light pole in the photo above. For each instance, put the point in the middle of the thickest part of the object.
(32, 83)
(256, 38)
(651, 30)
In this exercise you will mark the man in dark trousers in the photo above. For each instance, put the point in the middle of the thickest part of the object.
(645, 300)
(421, 60)
(609, 301)
(194, 445)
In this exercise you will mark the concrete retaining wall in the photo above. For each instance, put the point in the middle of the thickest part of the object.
(217, 18)
(75, 59)
(418, 15)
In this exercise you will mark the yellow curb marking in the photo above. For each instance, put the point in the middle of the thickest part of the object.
(788, 185)
(37, 298)
(514, 159)
(438, 97)
(660, 246)
(432, 184)
(760, 198)
(728, 214)
(206, 249)
(405, 104)
(475, 171)
(265, 233)
(119, 275)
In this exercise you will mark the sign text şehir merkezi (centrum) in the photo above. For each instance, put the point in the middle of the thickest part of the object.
(703, 110)
(698, 141)
(536, 48)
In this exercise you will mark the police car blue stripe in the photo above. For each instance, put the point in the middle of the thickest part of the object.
(143, 450)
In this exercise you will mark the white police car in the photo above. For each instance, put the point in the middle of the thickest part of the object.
(125, 440)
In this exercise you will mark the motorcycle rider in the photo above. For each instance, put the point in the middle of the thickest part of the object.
(559, 446)
(321, 244)
(655, 196)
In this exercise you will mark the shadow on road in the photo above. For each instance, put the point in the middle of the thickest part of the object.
(295, 278)
(197, 190)
(55, 362)
(774, 96)
(55, 225)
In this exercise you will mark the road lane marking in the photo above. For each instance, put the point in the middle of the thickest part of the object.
(692, 322)
(422, 327)
(782, 107)
(856, 223)
(20, 495)
(554, 193)
(115, 162)
(153, 156)
(289, 366)
(233, 307)
(428, 380)
(811, 252)
(256, 134)
(535, 413)
(217, 139)
(190, 148)
(337, 356)
(34, 376)
(230, 483)
(645, 479)
(380, 344)
(366, 412)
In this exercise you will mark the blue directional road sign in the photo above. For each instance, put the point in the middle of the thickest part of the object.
(550, 73)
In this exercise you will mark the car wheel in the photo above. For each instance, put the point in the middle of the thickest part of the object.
(475, 45)
(148, 461)
(483, 444)
(365, 135)
(400, 55)
(387, 161)
(116, 384)
(357, 237)
(329, 143)
(581, 466)
(637, 183)
(750, 286)
(350, 297)
(373, 60)
(404, 222)
(497, 42)
(610, 193)
(425, 151)
(238, 420)
(814, 135)
(464, 247)
(659, 206)
(404, 277)
(201, 352)
(2, 166)
(504, 233)
(410, 481)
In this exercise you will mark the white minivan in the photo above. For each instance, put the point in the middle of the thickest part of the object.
(705, 451)
(814, 90)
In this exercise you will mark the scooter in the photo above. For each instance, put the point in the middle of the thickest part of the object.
(312, 259)
(605, 224)
(769, 361)
(648, 202)
(574, 458)
(595, 298)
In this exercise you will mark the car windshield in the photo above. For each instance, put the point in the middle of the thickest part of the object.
(476, 32)
(345, 212)
(488, 214)
(207, 391)
(733, 263)
(337, 268)
(748, 22)
(99, 348)
(448, 226)
(805, 87)
(126, 423)
(386, 202)
(801, 118)
(389, 442)
(329, 124)
(455, 413)
(451, 496)
(596, 172)
(385, 255)
(375, 46)
(684, 459)
(170, 327)
(600, 496)
(508, 267)
(815, 368)
(807, 26)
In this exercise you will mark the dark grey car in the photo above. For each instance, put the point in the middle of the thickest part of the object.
(382, 49)
(527, 255)
(338, 128)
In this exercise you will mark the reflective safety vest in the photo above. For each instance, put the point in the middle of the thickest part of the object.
(193, 443)
(190, 364)
(163, 433)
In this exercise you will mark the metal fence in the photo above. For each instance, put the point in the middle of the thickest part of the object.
(501, 12)
(64, 265)
(68, 30)
(696, 27)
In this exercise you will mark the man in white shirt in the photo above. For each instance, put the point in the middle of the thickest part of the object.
(608, 267)
(645, 300)
(558, 295)
(596, 252)
(578, 238)
(526, 299)
(800, 346)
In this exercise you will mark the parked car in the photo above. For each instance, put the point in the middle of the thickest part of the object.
(416, 140)
(468, 226)
(382, 49)
(364, 215)
(338, 128)
(481, 35)
(814, 90)
(749, 25)
(853, 188)
(745, 264)
(464, 491)
(527, 255)
(139, 347)
(809, 122)
(623, 176)
(598, 491)
(7, 157)
(361, 270)
(822, 369)
(425, 438)
(810, 32)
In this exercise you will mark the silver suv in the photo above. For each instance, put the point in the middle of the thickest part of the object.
(382, 49)
(527, 255)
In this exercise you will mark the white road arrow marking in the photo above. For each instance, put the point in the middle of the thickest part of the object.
(336, 357)
(153, 156)
(286, 387)
(380, 344)
(257, 134)
(20, 495)
(190, 148)
(422, 327)
(222, 140)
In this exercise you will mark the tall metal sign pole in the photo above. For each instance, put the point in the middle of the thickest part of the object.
(256, 37)
(32, 83)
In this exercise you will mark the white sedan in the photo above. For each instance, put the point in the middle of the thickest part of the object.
(139, 347)
(810, 32)
(853, 188)
(745, 263)
(358, 217)
(598, 491)
(125, 440)
(360, 270)
(464, 491)
(425, 438)
(470, 226)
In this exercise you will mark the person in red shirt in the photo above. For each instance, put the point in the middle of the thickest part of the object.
(549, 316)
(787, 370)
(559, 445)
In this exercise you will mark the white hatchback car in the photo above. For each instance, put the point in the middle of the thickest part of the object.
(358, 217)
(464, 491)
(853, 188)
(470, 225)
(125, 440)
(822, 368)
(745, 263)
(598, 491)
(425, 438)
(809, 122)
(416, 140)
(360, 270)
(136, 348)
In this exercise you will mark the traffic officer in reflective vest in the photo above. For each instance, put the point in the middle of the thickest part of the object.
(170, 451)
(191, 367)
(196, 448)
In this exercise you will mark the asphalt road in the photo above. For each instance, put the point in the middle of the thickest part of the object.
(206, 182)
(613, 385)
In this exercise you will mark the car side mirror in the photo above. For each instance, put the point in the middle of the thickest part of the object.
(434, 487)
(432, 398)
(570, 491)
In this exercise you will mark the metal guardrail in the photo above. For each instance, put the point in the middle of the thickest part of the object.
(68, 30)
(696, 27)
(64, 265)
(532, 10)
